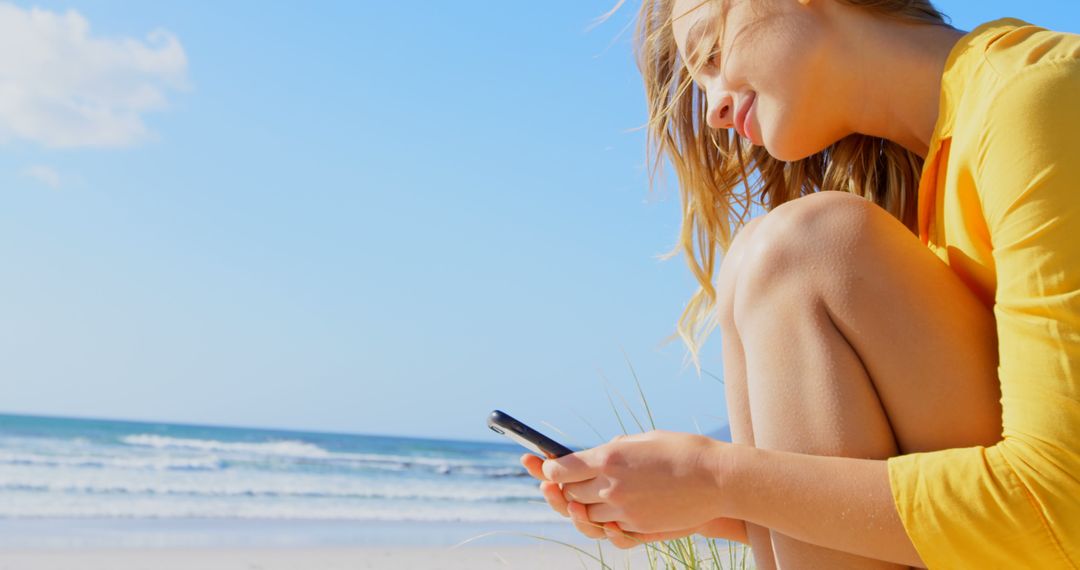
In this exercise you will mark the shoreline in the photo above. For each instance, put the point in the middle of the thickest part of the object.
(351, 558)
(182, 533)
(230, 544)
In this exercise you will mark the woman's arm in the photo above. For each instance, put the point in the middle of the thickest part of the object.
(835, 502)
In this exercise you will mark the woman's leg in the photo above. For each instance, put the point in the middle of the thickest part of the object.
(742, 431)
(858, 342)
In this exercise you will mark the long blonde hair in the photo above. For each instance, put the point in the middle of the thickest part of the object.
(712, 164)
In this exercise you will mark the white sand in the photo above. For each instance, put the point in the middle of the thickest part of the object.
(541, 557)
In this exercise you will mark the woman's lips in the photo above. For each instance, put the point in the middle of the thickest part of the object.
(742, 117)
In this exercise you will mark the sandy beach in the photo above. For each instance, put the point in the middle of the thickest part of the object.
(103, 544)
(540, 557)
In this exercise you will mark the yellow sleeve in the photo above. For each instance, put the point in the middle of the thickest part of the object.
(1017, 504)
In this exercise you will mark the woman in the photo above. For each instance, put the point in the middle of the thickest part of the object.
(901, 330)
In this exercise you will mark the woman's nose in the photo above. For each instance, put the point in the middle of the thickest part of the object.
(721, 112)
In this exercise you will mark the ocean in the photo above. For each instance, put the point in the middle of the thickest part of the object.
(102, 470)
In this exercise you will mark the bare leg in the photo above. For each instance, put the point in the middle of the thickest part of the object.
(735, 379)
(857, 342)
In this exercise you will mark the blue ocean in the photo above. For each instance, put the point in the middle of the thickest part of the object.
(102, 469)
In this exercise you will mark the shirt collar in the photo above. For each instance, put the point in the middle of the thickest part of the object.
(963, 60)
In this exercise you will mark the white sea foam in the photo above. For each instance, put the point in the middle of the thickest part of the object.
(285, 448)
(293, 449)
(253, 485)
(153, 463)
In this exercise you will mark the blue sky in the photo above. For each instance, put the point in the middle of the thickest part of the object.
(372, 217)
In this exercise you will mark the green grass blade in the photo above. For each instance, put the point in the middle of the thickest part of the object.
(719, 379)
(715, 552)
(616, 410)
(629, 409)
(538, 537)
(566, 438)
(640, 391)
(586, 422)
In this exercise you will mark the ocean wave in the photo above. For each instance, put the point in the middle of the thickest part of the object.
(44, 479)
(282, 448)
(166, 462)
(257, 493)
(152, 463)
(309, 453)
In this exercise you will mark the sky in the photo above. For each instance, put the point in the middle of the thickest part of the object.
(365, 217)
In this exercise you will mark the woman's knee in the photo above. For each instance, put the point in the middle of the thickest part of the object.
(813, 233)
(816, 223)
(730, 267)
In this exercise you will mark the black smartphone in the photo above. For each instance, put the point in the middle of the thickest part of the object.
(531, 439)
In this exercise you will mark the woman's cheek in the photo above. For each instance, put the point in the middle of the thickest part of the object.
(782, 134)
(770, 133)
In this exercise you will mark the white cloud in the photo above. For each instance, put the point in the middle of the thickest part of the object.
(61, 87)
(43, 174)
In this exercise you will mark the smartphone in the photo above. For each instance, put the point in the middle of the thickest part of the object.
(531, 439)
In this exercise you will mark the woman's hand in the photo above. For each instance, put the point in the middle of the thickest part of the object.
(646, 487)
(724, 528)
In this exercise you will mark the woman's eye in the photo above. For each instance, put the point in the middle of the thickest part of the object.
(711, 60)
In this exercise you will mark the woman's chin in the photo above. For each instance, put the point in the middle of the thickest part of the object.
(785, 151)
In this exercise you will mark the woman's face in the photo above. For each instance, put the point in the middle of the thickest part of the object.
(769, 64)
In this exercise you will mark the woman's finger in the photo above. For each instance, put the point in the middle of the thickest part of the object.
(578, 466)
(533, 465)
(554, 496)
(619, 538)
(582, 522)
(603, 512)
(626, 539)
(587, 492)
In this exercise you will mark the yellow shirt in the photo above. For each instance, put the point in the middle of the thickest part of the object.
(999, 202)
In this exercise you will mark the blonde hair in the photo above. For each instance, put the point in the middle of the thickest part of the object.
(712, 164)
